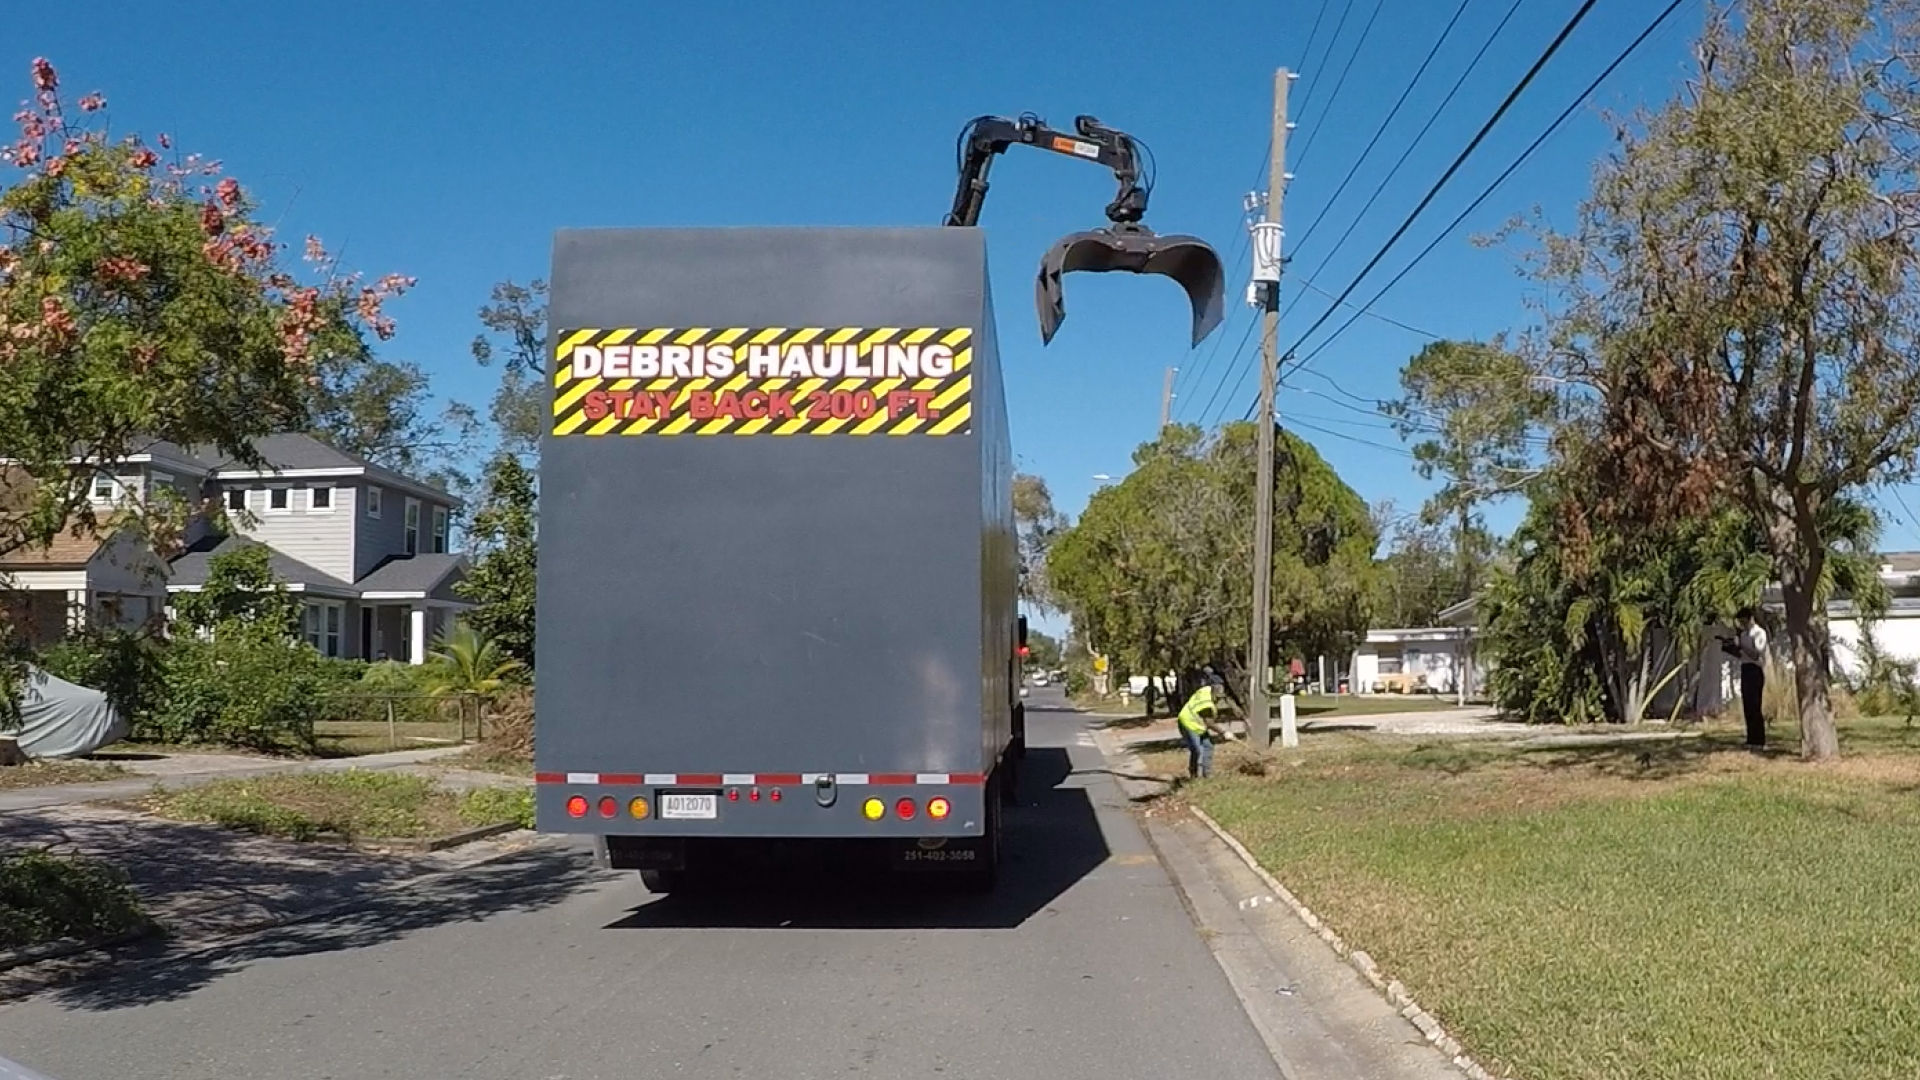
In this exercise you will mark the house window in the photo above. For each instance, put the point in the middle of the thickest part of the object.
(373, 502)
(323, 627)
(104, 488)
(1389, 665)
(158, 482)
(320, 498)
(236, 498)
(413, 526)
(439, 530)
(279, 498)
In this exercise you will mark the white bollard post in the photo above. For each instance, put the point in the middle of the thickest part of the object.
(1289, 725)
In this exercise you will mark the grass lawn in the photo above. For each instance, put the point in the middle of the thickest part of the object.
(353, 738)
(335, 739)
(351, 805)
(42, 773)
(1645, 910)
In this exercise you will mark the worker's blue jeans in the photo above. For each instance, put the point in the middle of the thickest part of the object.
(1199, 753)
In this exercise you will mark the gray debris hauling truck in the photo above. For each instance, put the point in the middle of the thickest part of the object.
(778, 569)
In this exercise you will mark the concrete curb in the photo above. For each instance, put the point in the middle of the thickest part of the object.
(438, 843)
(59, 950)
(1391, 989)
(214, 939)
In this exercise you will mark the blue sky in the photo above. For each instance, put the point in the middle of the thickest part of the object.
(449, 147)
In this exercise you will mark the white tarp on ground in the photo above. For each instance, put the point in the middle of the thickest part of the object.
(60, 719)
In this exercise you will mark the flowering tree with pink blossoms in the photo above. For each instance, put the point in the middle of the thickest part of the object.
(142, 299)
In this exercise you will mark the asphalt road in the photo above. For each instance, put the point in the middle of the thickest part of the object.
(1083, 965)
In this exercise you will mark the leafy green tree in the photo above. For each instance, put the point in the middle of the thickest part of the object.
(1472, 412)
(516, 318)
(1044, 651)
(241, 591)
(382, 410)
(1424, 572)
(1734, 316)
(142, 297)
(1157, 569)
(502, 579)
(1038, 525)
(1592, 623)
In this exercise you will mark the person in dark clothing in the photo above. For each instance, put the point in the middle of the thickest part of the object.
(1749, 646)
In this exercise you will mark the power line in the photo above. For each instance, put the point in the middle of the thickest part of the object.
(1197, 377)
(1338, 82)
(1346, 8)
(1407, 152)
(1312, 36)
(1234, 360)
(1560, 120)
(1251, 323)
(1294, 421)
(1382, 129)
(1361, 309)
(1434, 192)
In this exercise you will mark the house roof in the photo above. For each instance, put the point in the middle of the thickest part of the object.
(294, 452)
(189, 569)
(1452, 614)
(67, 551)
(420, 574)
(1900, 562)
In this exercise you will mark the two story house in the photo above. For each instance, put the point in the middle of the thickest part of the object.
(367, 548)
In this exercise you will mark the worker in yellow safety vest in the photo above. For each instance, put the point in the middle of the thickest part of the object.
(1199, 724)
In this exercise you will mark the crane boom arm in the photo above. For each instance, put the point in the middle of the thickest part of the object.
(988, 137)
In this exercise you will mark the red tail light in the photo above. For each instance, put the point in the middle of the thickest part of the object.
(577, 806)
(904, 808)
(754, 795)
(733, 794)
(774, 794)
(609, 806)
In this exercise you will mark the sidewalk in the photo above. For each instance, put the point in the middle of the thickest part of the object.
(192, 770)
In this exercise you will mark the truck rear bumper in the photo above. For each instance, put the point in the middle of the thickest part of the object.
(736, 854)
(742, 806)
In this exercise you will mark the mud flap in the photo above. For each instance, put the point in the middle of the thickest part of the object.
(1134, 249)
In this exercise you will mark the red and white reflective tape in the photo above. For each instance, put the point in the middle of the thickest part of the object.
(760, 779)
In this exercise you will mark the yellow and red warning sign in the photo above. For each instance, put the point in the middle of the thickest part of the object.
(763, 381)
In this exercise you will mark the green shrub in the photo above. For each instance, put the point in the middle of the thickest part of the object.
(129, 667)
(380, 684)
(46, 897)
(247, 687)
(488, 805)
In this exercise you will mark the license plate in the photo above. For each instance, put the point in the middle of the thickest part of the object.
(954, 853)
(685, 807)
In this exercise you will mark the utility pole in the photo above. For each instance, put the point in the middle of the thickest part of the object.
(1166, 400)
(1265, 292)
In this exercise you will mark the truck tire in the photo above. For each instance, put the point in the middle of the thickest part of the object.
(983, 879)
